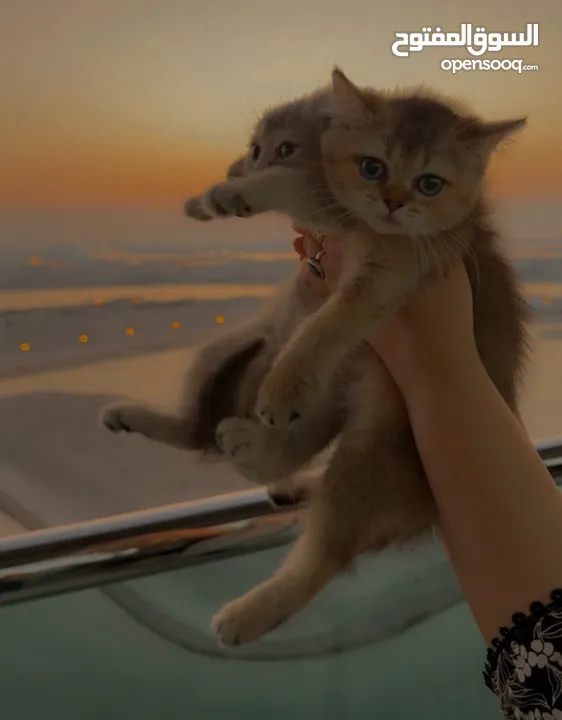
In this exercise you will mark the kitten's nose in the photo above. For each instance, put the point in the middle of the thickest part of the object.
(392, 204)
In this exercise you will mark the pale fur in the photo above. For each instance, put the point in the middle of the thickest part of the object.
(374, 491)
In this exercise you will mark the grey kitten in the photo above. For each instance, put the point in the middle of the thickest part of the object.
(221, 387)
(400, 177)
(216, 415)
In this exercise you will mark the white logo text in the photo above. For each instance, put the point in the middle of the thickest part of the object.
(476, 40)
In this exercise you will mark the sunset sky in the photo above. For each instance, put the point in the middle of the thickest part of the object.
(131, 102)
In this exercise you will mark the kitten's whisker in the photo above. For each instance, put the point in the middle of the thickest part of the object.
(418, 254)
(441, 251)
(323, 194)
(478, 223)
(343, 216)
(321, 188)
(418, 258)
(467, 253)
(432, 256)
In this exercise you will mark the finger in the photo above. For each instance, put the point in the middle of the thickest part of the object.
(316, 283)
(311, 246)
(298, 246)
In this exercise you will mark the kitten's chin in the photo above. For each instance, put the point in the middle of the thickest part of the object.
(387, 226)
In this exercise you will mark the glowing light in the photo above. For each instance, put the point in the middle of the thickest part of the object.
(547, 300)
(83, 339)
(97, 301)
(35, 262)
(219, 319)
(175, 324)
(24, 347)
(129, 331)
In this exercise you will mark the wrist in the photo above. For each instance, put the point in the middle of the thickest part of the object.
(428, 373)
(419, 362)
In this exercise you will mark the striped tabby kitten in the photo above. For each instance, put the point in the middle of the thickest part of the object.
(400, 177)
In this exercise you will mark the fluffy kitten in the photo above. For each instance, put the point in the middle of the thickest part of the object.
(399, 175)
(221, 387)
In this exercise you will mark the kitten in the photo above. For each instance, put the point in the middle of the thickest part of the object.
(399, 176)
(221, 387)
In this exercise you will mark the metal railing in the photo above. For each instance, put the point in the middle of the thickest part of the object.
(63, 559)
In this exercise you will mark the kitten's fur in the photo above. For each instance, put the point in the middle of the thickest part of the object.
(374, 491)
(221, 387)
(219, 396)
(397, 240)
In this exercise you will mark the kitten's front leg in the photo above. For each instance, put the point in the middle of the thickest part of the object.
(306, 364)
(304, 368)
(223, 200)
(276, 189)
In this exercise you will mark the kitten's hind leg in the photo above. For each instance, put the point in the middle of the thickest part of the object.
(338, 516)
(213, 384)
(373, 492)
(153, 424)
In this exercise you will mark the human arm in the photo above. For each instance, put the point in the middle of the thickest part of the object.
(500, 511)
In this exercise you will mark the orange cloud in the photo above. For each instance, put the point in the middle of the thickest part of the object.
(66, 153)
(132, 173)
(107, 178)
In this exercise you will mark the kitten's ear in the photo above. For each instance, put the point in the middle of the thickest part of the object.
(348, 102)
(491, 134)
(343, 89)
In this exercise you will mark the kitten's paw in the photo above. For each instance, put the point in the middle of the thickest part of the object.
(239, 439)
(226, 200)
(286, 396)
(127, 418)
(246, 619)
(193, 208)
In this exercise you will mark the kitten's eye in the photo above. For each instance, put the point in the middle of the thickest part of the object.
(371, 168)
(254, 152)
(285, 150)
(430, 184)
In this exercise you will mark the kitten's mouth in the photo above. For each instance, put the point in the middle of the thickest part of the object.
(390, 221)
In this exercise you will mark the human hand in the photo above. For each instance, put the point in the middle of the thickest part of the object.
(306, 246)
(432, 334)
